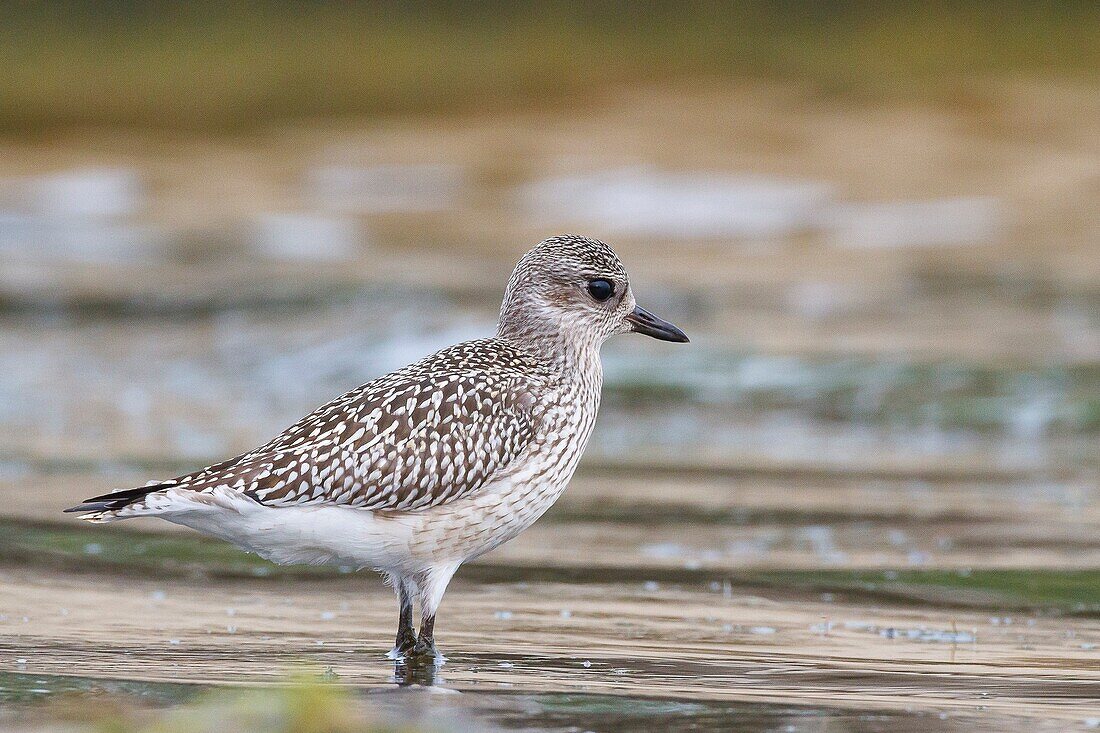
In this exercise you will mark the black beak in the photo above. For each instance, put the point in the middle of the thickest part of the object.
(642, 321)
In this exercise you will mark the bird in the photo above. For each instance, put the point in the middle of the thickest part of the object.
(434, 464)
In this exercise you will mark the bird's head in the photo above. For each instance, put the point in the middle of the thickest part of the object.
(575, 287)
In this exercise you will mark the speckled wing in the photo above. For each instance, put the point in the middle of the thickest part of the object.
(419, 437)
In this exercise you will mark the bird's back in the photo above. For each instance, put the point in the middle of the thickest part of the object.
(426, 434)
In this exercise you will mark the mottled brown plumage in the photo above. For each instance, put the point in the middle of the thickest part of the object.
(426, 434)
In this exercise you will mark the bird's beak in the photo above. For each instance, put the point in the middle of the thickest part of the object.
(642, 321)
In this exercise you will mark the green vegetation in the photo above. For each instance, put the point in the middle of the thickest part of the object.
(304, 706)
(300, 708)
(237, 65)
(127, 707)
(1069, 591)
(107, 548)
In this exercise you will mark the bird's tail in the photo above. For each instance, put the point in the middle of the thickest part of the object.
(108, 507)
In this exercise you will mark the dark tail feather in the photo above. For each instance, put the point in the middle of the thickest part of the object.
(117, 499)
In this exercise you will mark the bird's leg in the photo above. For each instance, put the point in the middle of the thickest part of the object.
(406, 635)
(431, 585)
(425, 643)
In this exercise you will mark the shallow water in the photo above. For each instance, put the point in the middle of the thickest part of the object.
(551, 654)
(638, 602)
(502, 709)
(864, 498)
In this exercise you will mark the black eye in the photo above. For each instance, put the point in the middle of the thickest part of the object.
(601, 289)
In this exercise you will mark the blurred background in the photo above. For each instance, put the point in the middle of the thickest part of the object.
(880, 224)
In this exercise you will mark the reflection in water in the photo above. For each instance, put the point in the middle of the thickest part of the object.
(422, 705)
(417, 671)
(556, 691)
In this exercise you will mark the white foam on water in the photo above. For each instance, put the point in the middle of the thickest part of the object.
(822, 540)
(697, 205)
(918, 223)
(386, 188)
(33, 238)
(304, 236)
(665, 549)
(79, 215)
(822, 300)
(84, 193)
(929, 635)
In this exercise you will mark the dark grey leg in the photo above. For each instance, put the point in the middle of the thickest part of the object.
(425, 643)
(406, 636)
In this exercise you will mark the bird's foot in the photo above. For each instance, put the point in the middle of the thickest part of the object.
(404, 647)
(425, 649)
(420, 666)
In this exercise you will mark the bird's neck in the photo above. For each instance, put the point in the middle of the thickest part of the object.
(568, 354)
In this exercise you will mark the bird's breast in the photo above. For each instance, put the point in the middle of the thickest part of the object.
(473, 525)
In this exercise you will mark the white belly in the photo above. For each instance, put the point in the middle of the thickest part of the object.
(297, 535)
(399, 542)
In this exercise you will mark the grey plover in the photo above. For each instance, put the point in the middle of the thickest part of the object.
(424, 468)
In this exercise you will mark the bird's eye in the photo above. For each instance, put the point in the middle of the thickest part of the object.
(601, 289)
